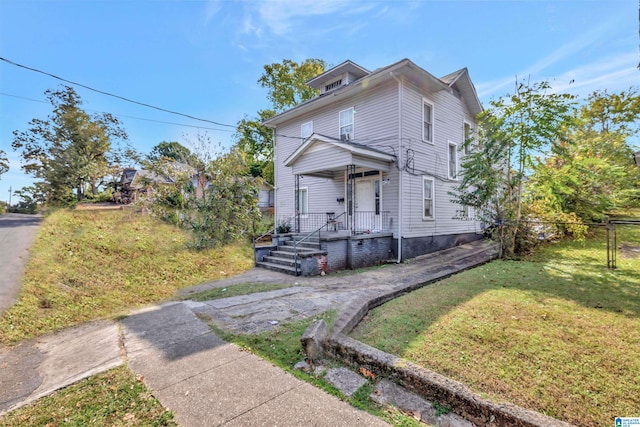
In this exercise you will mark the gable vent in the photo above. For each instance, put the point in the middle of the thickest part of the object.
(333, 85)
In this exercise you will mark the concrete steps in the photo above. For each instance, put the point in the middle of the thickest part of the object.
(282, 258)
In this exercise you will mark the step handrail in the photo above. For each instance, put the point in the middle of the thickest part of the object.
(260, 237)
(317, 230)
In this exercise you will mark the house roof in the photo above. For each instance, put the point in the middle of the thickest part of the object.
(346, 67)
(461, 81)
(321, 155)
(404, 68)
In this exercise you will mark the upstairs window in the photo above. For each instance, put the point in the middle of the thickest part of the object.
(453, 160)
(346, 124)
(427, 121)
(306, 129)
(427, 197)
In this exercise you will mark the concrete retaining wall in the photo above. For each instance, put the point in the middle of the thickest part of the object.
(319, 342)
(416, 246)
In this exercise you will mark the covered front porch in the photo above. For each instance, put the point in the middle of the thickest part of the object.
(355, 206)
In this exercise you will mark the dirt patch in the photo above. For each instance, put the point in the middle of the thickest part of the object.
(629, 251)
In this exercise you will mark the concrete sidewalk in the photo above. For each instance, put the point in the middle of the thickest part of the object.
(203, 379)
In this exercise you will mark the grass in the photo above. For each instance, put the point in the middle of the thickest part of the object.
(282, 348)
(88, 265)
(113, 398)
(236, 290)
(557, 333)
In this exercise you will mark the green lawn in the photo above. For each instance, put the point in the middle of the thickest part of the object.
(88, 265)
(113, 398)
(557, 333)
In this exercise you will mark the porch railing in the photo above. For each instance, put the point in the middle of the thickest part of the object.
(359, 222)
(330, 219)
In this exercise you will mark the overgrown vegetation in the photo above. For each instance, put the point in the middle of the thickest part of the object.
(588, 167)
(87, 265)
(282, 348)
(113, 398)
(557, 333)
(212, 195)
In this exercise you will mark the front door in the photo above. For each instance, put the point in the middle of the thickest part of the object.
(366, 217)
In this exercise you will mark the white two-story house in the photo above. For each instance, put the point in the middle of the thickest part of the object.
(371, 161)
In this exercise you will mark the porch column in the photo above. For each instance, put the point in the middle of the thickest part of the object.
(351, 192)
(297, 203)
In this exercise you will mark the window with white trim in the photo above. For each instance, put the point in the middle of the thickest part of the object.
(428, 190)
(452, 157)
(427, 121)
(463, 212)
(303, 201)
(306, 129)
(346, 124)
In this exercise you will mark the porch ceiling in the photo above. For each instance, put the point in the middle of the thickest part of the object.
(323, 156)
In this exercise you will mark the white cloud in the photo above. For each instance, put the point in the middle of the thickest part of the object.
(281, 16)
(614, 73)
(567, 50)
(289, 17)
(211, 9)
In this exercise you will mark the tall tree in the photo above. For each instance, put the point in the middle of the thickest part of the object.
(170, 150)
(256, 141)
(513, 129)
(71, 150)
(286, 82)
(4, 163)
(595, 171)
(286, 86)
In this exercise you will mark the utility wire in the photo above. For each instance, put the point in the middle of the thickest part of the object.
(113, 95)
(124, 115)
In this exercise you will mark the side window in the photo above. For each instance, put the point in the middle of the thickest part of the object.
(346, 124)
(306, 129)
(453, 160)
(427, 198)
(303, 200)
(427, 121)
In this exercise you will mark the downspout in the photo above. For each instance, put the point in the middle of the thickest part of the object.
(400, 167)
(275, 183)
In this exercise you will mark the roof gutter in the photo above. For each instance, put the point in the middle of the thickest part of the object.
(400, 166)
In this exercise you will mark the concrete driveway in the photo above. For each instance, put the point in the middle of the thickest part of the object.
(17, 233)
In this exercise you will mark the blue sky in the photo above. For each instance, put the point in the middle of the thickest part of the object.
(203, 58)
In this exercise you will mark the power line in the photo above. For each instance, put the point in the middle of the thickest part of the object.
(113, 95)
(124, 115)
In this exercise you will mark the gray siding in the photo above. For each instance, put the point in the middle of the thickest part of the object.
(432, 160)
(376, 124)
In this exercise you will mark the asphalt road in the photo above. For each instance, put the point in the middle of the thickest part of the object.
(17, 232)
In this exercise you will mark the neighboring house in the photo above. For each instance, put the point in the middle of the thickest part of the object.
(373, 159)
(265, 197)
(636, 158)
(136, 183)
